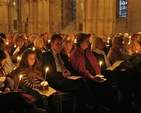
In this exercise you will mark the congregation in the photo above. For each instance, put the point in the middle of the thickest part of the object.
(89, 57)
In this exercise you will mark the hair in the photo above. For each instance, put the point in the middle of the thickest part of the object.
(94, 43)
(19, 37)
(134, 35)
(80, 38)
(2, 55)
(1, 42)
(66, 42)
(117, 39)
(37, 41)
(56, 36)
(32, 38)
(24, 63)
(3, 35)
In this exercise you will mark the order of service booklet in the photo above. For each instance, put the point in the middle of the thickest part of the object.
(115, 65)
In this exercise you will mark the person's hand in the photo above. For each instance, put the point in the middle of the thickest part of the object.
(66, 73)
(97, 79)
(7, 89)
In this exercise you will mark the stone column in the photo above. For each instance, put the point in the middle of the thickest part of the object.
(4, 25)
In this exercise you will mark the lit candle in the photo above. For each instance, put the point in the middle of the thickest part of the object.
(20, 77)
(18, 59)
(136, 51)
(48, 40)
(75, 41)
(33, 48)
(100, 63)
(7, 43)
(15, 46)
(46, 70)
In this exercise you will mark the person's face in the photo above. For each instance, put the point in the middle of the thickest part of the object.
(118, 45)
(20, 42)
(40, 44)
(68, 46)
(31, 59)
(100, 44)
(56, 45)
(85, 44)
(2, 62)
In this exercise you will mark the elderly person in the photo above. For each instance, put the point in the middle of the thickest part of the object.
(39, 47)
(114, 55)
(121, 78)
(135, 43)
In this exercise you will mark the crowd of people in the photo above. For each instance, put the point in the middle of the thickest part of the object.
(85, 55)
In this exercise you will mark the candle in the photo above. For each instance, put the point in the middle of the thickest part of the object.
(75, 41)
(20, 77)
(48, 40)
(136, 51)
(7, 43)
(46, 70)
(18, 59)
(33, 48)
(100, 63)
(15, 46)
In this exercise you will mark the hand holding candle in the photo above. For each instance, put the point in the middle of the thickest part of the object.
(18, 59)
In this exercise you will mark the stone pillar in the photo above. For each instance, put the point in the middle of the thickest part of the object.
(4, 25)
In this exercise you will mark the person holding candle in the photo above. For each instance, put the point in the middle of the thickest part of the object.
(60, 69)
(12, 101)
(18, 50)
(31, 79)
(121, 78)
(86, 64)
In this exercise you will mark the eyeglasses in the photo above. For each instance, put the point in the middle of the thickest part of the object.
(58, 44)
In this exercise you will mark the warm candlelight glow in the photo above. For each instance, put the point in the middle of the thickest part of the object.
(49, 40)
(75, 41)
(100, 63)
(7, 43)
(47, 69)
(136, 51)
(18, 58)
(20, 77)
(15, 46)
(33, 48)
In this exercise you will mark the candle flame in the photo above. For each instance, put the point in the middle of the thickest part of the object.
(47, 69)
(100, 63)
(20, 77)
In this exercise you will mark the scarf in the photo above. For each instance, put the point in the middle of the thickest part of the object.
(105, 57)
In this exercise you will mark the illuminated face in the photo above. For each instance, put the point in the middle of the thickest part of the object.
(85, 44)
(31, 59)
(56, 45)
(68, 46)
(100, 44)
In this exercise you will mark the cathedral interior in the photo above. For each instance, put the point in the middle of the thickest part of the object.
(70, 16)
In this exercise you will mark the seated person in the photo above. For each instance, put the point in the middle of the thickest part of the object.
(121, 78)
(18, 50)
(114, 55)
(12, 101)
(27, 77)
(134, 57)
(59, 70)
(85, 63)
